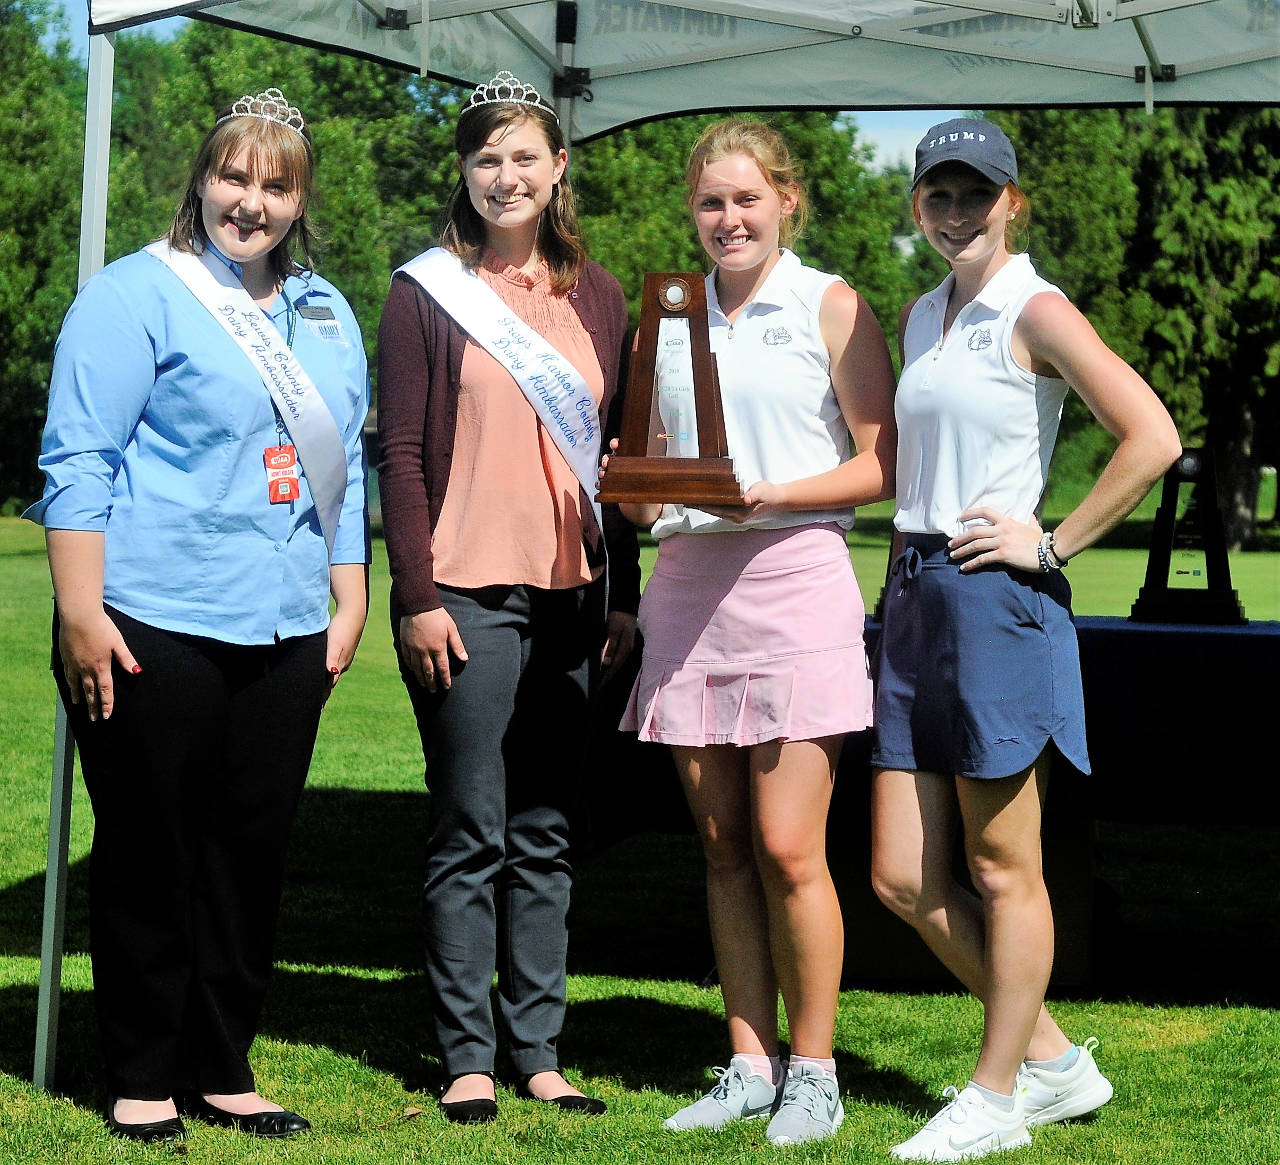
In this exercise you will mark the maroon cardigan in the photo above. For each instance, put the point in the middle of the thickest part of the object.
(419, 368)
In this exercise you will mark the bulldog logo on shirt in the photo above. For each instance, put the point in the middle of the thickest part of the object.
(775, 336)
(979, 338)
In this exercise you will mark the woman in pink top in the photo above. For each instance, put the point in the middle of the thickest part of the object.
(499, 355)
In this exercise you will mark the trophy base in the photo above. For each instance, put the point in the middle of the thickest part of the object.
(1175, 605)
(686, 481)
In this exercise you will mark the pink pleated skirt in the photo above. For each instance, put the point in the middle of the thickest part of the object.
(750, 636)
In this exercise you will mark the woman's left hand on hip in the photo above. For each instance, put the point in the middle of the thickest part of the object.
(996, 539)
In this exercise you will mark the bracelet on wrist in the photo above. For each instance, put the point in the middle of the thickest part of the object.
(1045, 553)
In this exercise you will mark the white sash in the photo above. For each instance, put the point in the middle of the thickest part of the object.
(554, 388)
(307, 418)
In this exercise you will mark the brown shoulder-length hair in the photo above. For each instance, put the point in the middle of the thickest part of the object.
(274, 149)
(559, 236)
(768, 149)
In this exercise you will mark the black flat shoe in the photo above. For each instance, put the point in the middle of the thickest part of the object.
(478, 1111)
(257, 1124)
(150, 1133)
(565, 1102)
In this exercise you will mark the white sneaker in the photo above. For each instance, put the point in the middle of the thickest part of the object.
(738, 1095)
(968, 1127)
(1058, 1096)
(810, 1108)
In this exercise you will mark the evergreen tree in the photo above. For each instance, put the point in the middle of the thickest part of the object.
(858, 213)
(41, 131)
(633, 203)
(1206, 254)
(1080, 170)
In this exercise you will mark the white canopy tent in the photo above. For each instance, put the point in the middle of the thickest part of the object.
(613, 62)
(609, 63)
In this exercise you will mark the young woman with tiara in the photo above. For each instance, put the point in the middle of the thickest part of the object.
(499, 357)
(753, 668)
(979, 672)
(205, 497)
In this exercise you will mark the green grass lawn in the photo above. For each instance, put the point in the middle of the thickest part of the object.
(344, 1037)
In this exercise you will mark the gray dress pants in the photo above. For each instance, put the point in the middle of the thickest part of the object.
(504, 749)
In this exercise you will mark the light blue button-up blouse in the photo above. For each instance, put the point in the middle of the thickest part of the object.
(155, 435)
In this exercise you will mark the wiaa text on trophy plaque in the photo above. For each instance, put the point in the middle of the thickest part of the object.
(672, 447)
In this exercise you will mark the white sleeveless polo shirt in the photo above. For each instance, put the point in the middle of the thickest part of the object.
(975, 428)
(781, 416)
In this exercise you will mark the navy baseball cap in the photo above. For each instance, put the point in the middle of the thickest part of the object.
(970, 140)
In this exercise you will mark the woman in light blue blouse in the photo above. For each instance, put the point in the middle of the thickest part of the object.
(205, 496)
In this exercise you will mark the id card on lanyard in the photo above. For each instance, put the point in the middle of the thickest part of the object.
(281, 461)
(282, 474)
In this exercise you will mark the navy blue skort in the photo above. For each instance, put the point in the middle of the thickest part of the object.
(975, 672)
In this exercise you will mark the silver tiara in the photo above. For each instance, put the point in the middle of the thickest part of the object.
(270, 105)
(506, 88)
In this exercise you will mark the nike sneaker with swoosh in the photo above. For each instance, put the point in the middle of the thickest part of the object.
(1058, 1096)
(967, 1127)
(810, 1109)
(738, 1095)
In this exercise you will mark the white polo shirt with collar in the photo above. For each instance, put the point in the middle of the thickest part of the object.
(781, 416)
(975, 428)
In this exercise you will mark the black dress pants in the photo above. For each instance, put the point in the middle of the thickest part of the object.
(194, 782)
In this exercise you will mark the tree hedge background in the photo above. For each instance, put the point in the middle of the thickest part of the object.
(1162, 229)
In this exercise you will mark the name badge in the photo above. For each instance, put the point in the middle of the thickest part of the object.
(282, 473)
(322, 322)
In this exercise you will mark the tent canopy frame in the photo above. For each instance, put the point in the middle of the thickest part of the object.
(601, 81)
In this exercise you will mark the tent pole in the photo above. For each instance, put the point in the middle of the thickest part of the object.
(566, 39)
(55, 903)
(424, 41)
(93, 245)
(97, 152)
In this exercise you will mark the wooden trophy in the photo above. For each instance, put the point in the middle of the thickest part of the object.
(672, 448)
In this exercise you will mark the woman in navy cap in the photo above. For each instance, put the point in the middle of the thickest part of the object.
(979, 669)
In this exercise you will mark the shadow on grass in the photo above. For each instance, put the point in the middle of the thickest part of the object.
(1180, 915)
(381, 1025)
(669, 1048)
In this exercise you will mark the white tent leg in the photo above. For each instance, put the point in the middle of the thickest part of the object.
(55, 903)
(97, 153)
(93, 246)
(424, 43)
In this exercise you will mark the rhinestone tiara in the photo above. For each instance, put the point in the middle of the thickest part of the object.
(505, 88)
(270, 105)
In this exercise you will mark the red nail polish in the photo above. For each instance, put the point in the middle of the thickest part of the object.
(334, 670)
(136, 669)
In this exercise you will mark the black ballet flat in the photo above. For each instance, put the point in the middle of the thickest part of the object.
(565, 1102)
(150, 1133)
(479, 1111)
(256, 1124)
